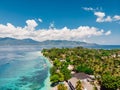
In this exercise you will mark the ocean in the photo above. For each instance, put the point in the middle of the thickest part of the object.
(24, 68)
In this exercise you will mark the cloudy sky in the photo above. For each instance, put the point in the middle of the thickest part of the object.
(93, 21)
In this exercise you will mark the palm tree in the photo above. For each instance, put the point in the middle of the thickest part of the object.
(62, 87)
(79, 85)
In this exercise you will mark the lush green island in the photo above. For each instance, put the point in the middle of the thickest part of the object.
(103, 64)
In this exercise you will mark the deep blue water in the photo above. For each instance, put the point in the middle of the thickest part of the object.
(23, 68)
(105, 46)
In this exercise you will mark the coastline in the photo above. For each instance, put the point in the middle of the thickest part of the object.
(47, 81)
(48, 61)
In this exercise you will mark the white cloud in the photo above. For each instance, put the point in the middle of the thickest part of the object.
(40, 20)
(116, 17)
(108, 19)
(100, 16)
(69, 34)
(108, 33)
(64, 33)
(52, 26)
(31, 24)
(88, 8)
(91, 9)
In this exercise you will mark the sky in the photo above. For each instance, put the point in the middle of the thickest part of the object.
(92, 21)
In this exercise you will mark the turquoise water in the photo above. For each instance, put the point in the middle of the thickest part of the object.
(23, 68)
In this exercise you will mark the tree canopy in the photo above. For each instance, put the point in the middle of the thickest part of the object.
(62, 87)
(99, 62)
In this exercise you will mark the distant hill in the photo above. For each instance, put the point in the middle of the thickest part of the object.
(67, 43)
(12, 41)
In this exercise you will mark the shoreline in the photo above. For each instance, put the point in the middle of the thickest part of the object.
(47, 81)
(49, 62)
(47, 59)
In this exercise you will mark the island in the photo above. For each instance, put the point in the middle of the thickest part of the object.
(72, 66)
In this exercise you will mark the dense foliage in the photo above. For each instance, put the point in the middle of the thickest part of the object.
(99, 62)
(110, 82)
(62, 87)
(57, 77)
(85, 69)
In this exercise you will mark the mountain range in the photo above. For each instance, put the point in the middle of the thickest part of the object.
(12, 41)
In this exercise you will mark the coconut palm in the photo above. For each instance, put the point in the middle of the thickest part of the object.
(78, 85)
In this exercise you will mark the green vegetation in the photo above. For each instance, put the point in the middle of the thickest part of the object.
(95, 88)
(79, 85)
(66, 73)
(62, 87)
(103, 64)
(110, 82)
(57, 77)
(85, 69)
